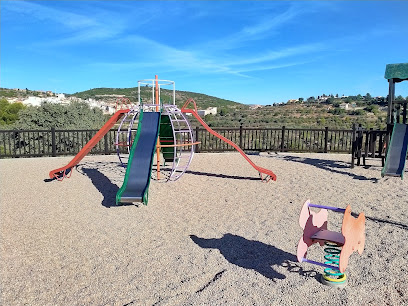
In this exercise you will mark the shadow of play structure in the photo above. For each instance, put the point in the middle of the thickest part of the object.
(163, 130)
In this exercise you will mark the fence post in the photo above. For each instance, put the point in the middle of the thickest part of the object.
(106, 143)
(240, 136)
(53, 142)
(326, 138)
(283, 139)
(197, 147)
(353, 145)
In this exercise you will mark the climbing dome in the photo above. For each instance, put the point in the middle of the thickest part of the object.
(175, 144)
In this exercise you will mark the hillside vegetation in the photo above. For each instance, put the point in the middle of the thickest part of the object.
(203, 101)
(333, 112)
(313, 113)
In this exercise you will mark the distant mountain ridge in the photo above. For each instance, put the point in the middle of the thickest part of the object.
(203, 101)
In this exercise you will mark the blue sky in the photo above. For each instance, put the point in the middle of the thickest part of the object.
(254, 52)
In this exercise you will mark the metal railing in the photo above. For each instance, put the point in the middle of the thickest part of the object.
(277, 139)
(33, 143)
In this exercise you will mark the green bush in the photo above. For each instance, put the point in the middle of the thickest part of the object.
(76, 115)
(9, 112)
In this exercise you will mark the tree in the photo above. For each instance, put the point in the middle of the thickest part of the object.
(76, 115)
(372, 108)
(311, 99)
(301, 100)
(399, 98)
(368, 97)
(9, 112)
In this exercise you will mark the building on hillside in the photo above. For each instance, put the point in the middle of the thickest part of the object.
(255, 106)
(208, 111)
(345, 106)
(33, 101)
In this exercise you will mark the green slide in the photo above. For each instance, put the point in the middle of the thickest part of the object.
(137, 178)
(166, 138)
(397, 151)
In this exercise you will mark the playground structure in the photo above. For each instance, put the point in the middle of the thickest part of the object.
(398, 145)
(338, 246)
(163, 130)
(393, 142)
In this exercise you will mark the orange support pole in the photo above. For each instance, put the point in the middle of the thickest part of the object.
(158, 138)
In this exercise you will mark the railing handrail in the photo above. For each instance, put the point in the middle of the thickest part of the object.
(55, 142)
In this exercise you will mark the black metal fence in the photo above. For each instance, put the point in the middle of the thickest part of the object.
(32, 143)
(276, 139)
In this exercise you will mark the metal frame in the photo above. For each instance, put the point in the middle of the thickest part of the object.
(133, 113)
(181, 127)
(152, 83)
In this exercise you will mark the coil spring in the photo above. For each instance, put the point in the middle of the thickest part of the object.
(332, 258)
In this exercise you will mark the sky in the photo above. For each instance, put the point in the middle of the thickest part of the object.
(252, 52)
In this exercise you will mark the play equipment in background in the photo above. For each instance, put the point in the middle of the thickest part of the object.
(162, 130)
(391, 143)
(338, 246)
(397, 152)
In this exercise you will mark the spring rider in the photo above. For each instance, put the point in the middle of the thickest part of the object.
(338, 246)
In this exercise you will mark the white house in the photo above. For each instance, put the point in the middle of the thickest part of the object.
(208, 111)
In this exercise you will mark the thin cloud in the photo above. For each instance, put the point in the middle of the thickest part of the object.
(268, 26)
(271, 67)
(156, 54)
(76, 27)
(43, 13)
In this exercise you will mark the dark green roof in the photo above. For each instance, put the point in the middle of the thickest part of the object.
(396, 71)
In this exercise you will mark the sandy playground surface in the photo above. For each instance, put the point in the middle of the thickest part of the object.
(217, 236)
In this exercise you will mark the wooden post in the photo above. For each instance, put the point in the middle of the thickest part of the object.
(240, 135)
(105, 137)
(391, 92)
(326, 138)
(53, 144)
(397, 110)
(360, 134)
(283, 139)
(196, 139)
(353, 145)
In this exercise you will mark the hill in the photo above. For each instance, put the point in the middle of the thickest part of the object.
(203, 101)
(333, 112)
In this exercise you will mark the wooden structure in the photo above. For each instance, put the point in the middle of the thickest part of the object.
(368, 144)
(374, 143)
(397, 110)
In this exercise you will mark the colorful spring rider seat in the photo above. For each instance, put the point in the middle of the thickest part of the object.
(338, 246)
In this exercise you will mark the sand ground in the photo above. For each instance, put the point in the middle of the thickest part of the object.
(216, 236)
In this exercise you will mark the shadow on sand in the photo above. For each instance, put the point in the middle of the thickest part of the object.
(329, 165)
(390, 222)
(253, 255)
(233, 177)
(105, 187)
